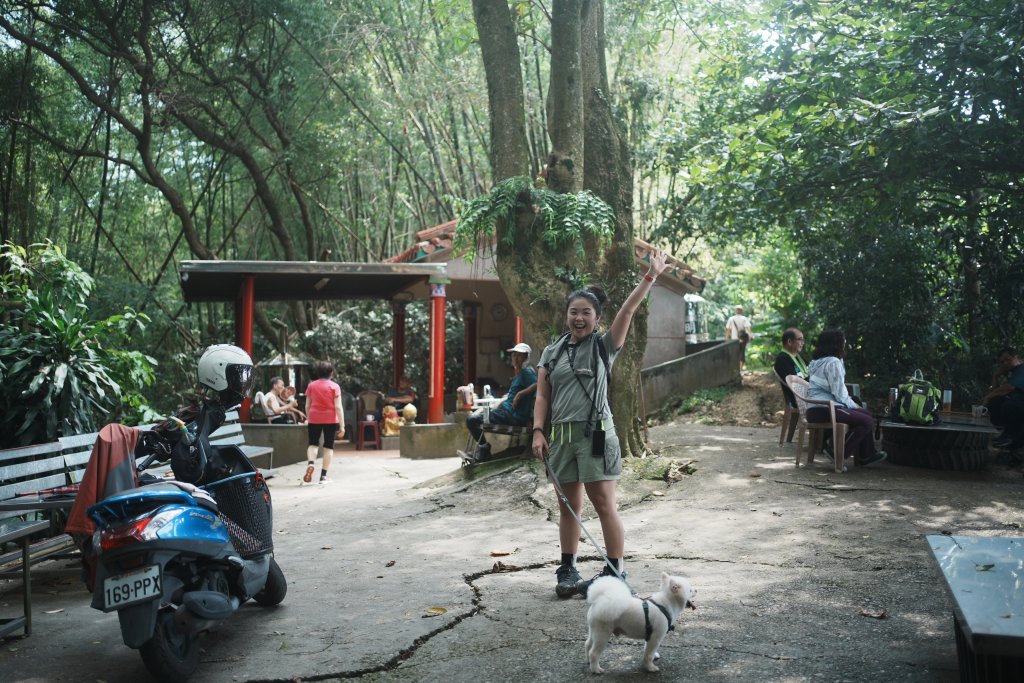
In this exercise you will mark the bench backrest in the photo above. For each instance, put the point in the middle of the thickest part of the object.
(63, 462)
(77, 450)
(31, 468)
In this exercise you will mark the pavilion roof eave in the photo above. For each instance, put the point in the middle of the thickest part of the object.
(306, 280)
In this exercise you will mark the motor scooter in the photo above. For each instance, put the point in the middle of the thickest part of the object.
(176, 557)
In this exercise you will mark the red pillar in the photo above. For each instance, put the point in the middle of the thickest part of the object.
(469, 313)
(435, 413)
(519, 329)
(397, 341)
(245, 313)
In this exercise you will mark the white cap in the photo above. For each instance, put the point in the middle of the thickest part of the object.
(521, 348)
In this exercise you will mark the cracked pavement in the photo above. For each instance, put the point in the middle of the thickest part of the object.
(392, 578)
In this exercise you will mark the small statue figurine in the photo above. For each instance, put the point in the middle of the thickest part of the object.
(409, 414)
(392, 421)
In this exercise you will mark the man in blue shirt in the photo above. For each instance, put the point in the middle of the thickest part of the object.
(1005, 400)
(516, 409)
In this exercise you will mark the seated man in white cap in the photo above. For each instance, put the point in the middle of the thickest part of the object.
(516, 409)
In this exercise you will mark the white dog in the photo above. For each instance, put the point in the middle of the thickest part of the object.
(613, 610)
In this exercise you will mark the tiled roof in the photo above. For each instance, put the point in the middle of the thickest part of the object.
(439, 237)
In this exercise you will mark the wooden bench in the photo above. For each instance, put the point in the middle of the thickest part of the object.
(982, 578)
(26, 470)
(62, 463)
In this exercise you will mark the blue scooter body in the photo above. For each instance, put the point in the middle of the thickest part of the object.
(173, 560)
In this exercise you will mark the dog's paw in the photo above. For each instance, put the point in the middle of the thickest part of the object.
(651, 667)
(596, 669)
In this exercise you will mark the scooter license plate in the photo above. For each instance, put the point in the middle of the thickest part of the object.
(131, 587)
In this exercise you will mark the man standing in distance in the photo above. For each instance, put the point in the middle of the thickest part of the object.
(738, 327)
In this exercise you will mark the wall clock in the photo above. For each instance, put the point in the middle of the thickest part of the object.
(499, 312)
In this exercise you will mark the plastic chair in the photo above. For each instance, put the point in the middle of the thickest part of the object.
(790, 416)
(260, 401)
(348, 409)
(816, 430)
(368, 406)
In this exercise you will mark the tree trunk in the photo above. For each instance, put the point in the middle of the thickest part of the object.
(500, 52)
(565, 96)
(589, 151)
(608, 173)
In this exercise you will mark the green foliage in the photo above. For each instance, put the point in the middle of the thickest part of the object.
(60, 371)
(358, 342)
(703, 398)
(697, 401)
(875, 141)
(566, 220)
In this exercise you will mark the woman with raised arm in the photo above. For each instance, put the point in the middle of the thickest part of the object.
(581, 449)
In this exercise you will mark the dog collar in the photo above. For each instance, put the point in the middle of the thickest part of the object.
(648, 629)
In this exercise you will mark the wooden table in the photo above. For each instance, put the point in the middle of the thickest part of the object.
(982, 575)
(16, 530)
(958, 442)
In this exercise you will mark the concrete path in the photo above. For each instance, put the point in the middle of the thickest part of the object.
(401, 570)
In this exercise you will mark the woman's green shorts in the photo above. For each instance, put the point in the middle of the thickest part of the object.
(571, 458)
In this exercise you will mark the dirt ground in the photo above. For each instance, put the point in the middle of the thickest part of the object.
(756, 402)
(413, 571)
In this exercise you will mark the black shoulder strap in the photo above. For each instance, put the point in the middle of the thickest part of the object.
(563, 341)
(602, 351)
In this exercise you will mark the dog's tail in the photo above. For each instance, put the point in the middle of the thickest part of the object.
(608, 598)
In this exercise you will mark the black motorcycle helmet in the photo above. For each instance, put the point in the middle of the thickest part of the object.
(227, 370)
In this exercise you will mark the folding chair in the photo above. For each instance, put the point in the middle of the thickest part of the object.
(816, 430)
(790, 416)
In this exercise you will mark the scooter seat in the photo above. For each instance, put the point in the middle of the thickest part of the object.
(200, 495)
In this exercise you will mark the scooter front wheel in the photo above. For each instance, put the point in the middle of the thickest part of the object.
(274, 589)
(170, 655)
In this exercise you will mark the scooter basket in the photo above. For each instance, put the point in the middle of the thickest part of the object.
(244, 503)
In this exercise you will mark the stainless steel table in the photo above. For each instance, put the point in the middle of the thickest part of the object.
(16, 530)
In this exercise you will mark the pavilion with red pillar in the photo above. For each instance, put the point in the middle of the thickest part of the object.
(246, 282)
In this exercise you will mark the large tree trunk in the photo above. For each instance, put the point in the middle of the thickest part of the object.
(608, 173)
(588, 151)
(524, 267)
(500, 52)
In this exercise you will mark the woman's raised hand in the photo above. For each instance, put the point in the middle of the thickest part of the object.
(658, 262)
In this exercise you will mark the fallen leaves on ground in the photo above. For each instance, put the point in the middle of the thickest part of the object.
(434, 612)
(503, 553)
(500, 566)
(873, 613)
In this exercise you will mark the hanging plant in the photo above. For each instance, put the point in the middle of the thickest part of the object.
(566, 219)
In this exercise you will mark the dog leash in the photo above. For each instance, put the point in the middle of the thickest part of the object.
(565, 502)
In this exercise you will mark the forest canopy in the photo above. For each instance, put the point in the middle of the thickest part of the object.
(853, 165)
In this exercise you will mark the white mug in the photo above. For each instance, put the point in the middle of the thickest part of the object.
(979, 411)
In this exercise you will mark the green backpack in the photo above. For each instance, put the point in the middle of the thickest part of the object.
(919, 401)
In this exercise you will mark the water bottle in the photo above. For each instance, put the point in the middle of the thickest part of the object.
(487, 391)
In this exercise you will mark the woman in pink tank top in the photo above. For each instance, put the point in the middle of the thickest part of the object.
(325, 418)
